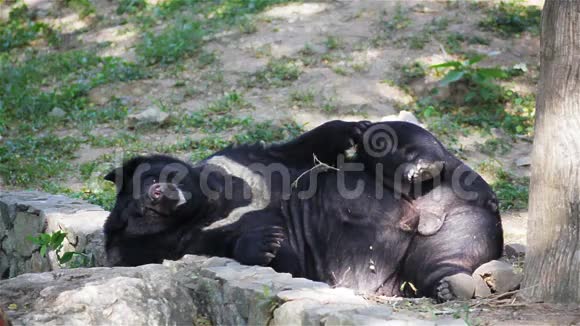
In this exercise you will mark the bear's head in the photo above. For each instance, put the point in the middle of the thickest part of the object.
(156, 196)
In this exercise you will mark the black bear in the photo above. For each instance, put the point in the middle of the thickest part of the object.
(337, 224)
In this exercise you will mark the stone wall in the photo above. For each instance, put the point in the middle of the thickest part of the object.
(192, 291)
(24, 214)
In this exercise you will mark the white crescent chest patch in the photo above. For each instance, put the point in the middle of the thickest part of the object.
(256, 182)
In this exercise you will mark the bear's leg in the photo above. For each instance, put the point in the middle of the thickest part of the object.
(326, 142)
(440, 265)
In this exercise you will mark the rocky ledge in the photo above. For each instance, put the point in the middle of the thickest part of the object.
(192, 291)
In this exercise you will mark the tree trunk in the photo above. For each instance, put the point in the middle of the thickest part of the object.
(552, 269)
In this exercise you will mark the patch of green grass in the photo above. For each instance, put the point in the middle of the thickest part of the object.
(400, 19)
(333, 42)
(493, 146)
(130, 6)
(32, 88)
(509, 18)
(340, 70)
(512, 191)
(477, 99)
(329, 105)
(411, 72)
(182, 38)
(20, 29)
(29, 160)
(278, 73)
(218, 116)
(433, 30)
(268, 132)
(83, 7)
(303, 98)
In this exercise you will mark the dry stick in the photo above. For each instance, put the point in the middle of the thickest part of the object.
(318, 164)
(490, 300)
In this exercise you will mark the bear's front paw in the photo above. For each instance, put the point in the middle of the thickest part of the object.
(259, 247)
(456, 287)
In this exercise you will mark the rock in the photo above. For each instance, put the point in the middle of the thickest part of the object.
(481, 288)
(499, 276)
(194, 290)
(24, 214)
(57, 113)
(402, 116)
(523, 161)
(145, 295)
(152, 115)
(515, 250)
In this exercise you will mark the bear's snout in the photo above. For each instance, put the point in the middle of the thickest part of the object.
(165, 197)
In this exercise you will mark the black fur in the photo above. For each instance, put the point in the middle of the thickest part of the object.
(365, 242)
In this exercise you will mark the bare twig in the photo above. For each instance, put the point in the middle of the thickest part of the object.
(317, 164)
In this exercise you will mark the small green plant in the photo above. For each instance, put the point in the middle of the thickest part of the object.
(303, 98)
(411, 72)
(278, 73)
(476, 98)
(333, 42)
(400, 19)
(55, 242)
(183, 37)
(130, 6)
(512, 18)
(83, 7)
(467, 70)
(512, 191)
(19, 30)
(493, 146)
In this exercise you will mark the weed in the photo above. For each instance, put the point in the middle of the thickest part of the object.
(333, 42)
(340, 70)
(54, 241)
(400, 19)
(303, 98)
(28, 160)
(182, 38)
(419, 40)
(218, 116)
(278, 73)
(83, 7)
(512, 18)
(329, 105)
(477, 100)
(33, 88)
(130, 6)
(493, 146)
(19, 30)
(512, 191)
(248, 26)
(307, 51)
(268, 132)
(411, 72)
